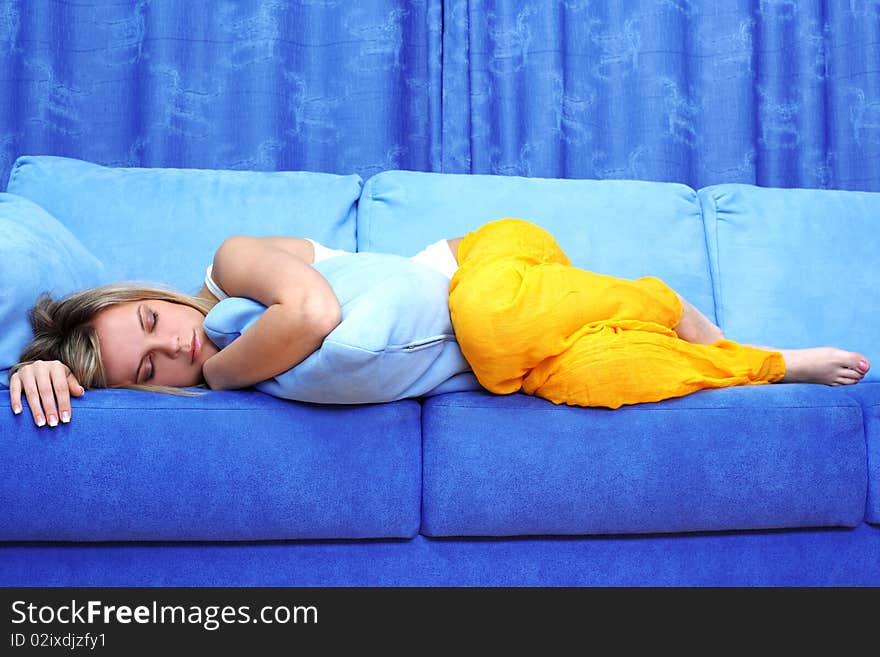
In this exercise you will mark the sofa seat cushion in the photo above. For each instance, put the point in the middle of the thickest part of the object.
(796, 268)
(225, 466)
(868, 395)
(624, 228)
(163, 224)
(738, 458)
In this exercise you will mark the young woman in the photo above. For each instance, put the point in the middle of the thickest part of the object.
(525, 319)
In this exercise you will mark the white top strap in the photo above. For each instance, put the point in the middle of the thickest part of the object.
(438, 256)
(212, 286)
(323, 253)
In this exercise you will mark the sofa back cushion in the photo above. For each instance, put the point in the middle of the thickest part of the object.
(618, 227)
(164, 225)
(795, 268)
(37, 255)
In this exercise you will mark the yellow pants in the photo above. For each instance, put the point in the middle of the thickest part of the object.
(527, 320)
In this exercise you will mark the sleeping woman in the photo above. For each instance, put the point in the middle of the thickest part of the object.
(525, 319)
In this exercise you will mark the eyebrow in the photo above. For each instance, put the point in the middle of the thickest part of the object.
(141, 322)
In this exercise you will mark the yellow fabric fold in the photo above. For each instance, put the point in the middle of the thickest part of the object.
(526, 319)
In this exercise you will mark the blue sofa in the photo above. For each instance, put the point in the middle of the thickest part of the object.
(764, 485)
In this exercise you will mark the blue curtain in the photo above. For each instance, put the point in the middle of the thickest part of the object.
(773, 92)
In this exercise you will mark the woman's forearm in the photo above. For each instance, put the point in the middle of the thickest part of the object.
(280, 339)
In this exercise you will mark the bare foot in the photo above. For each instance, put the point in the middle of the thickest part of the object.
(833, 367)
(695, 327)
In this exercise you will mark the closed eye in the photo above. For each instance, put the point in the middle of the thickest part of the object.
(155, 319)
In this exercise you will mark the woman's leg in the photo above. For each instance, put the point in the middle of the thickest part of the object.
(634, 366)
(526, 319)
(617, 367)
(692, 326)
(696, 327)
(516, 300)
(517, 270)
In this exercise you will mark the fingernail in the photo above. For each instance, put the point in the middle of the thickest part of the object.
(41, 421)
(65, 417)
(53, 421)
(16, 409)
(863, 365)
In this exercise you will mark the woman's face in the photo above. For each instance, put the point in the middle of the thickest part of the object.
(153, 342)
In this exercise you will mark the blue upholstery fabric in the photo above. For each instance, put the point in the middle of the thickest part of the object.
(743, 458)
(37, 254)
(242, 466)
(796, 268)
(395, 339)
(225, 466)
(868, 395)
(622, 228)
(164, 225)
(824, 557)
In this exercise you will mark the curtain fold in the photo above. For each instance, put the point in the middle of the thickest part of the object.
(254, 84)
(772, 92)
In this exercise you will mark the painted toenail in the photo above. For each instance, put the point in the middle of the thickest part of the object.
(863, 365)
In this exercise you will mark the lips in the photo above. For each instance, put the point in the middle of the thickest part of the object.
(194, 348)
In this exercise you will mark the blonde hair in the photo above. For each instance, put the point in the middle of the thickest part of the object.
(63, 329)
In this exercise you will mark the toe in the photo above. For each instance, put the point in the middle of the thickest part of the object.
(857, 362)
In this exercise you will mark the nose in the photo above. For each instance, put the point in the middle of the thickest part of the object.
(170, 345)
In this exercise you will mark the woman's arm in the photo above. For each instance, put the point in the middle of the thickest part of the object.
(301, 310)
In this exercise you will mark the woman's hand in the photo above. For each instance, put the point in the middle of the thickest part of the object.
(47, 385)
